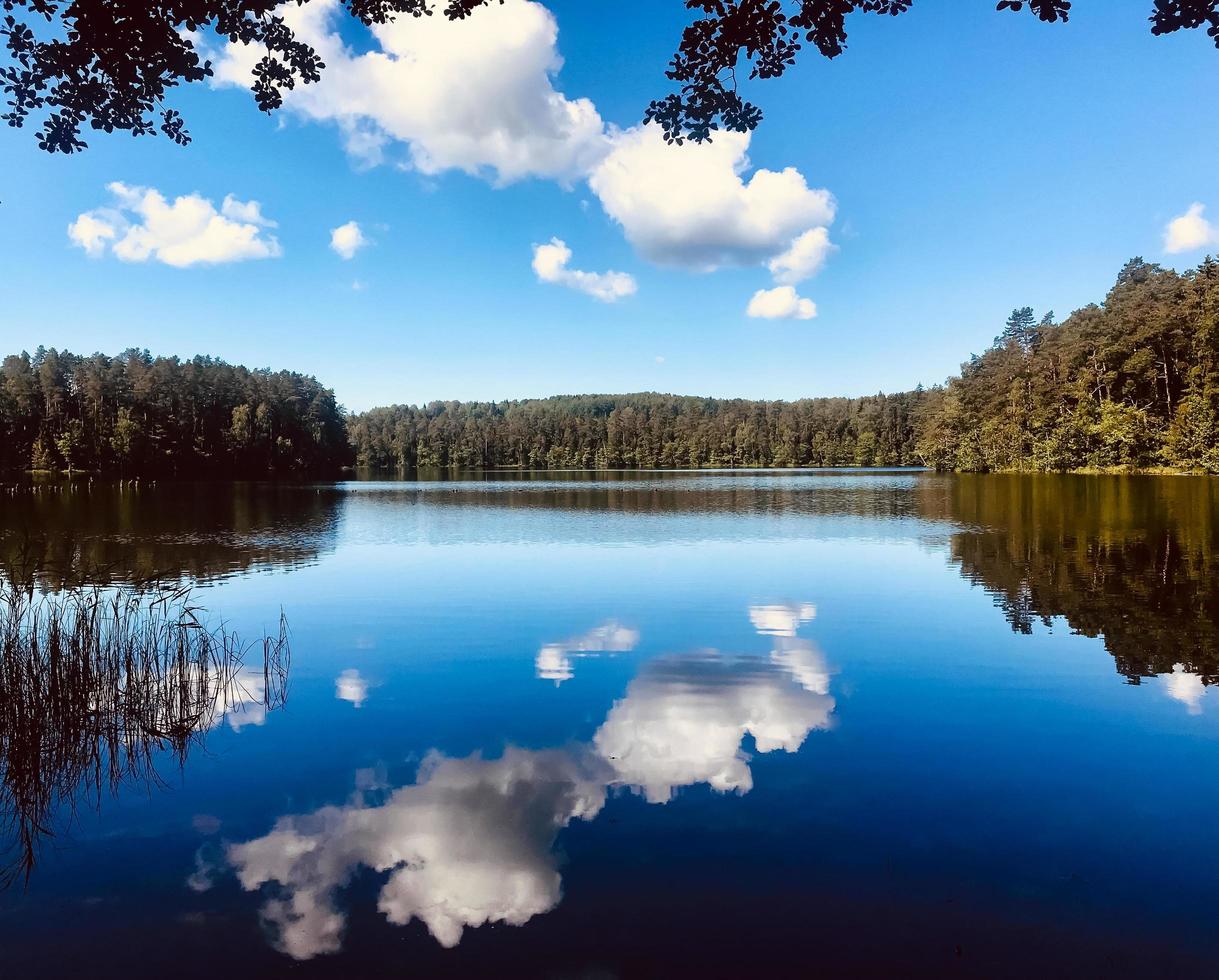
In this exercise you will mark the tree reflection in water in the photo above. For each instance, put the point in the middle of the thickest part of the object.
(97, 684)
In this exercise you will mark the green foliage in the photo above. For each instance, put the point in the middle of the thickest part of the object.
(140, 415)
(641, 430)
(1132, 383)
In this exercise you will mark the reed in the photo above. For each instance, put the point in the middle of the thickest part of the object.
(97, 685)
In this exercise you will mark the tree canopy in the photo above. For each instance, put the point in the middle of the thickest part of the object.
(137, 415)
(109, 65)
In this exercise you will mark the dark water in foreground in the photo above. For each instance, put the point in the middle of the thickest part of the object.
(778, 724)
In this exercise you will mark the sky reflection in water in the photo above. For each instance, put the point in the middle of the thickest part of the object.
(510, 699)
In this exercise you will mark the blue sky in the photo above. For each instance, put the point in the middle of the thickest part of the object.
(977, 161)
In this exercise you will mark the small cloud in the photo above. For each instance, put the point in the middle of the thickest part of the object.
(350, 686)
(1190, 231)
(781, 619)
(550, 264)
(554, 660)
(347, 239)
(359, 285)
(660, 359)
(141, 224)
(780, 303)
(803, 259)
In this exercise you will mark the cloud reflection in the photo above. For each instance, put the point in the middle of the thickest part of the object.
(471, 841)
(783, 619)
(1186, 687)
(241, 701)
(554, 661)
(683, 720)
(350, 686)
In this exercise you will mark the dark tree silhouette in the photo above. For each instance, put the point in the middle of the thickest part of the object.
(107, 64)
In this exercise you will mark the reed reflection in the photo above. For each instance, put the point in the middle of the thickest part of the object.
(472, 840)
(98, 685)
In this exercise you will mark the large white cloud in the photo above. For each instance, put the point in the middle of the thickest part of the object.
(691, 206)
(475, 95)
(550, 263)
(469, 843)
(1190, 231)
(479, 96)
(683, 720)
(141, 224)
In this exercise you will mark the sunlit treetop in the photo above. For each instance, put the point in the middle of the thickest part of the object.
(109, 64)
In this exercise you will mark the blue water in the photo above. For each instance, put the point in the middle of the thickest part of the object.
(687, 724)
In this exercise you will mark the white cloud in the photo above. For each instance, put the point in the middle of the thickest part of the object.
(553, 662)
(1190, 231)
(780, 303)
(475, 95)
(683, 719)
(141, 225)
(1185, 687)
(91, 231)
(351, 687)
(347, 239)
(479, 96)
(690, 205)
(469, 843)
(804, 258)
(550, 264)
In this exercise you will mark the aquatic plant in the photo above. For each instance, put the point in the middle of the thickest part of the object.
(97, 684)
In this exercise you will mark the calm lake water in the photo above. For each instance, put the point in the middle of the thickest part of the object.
(659, 724)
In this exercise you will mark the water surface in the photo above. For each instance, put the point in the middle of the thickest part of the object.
(659, 724)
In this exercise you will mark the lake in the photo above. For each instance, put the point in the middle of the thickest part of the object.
(656, 724)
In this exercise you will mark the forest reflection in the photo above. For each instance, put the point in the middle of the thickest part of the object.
(61, 535)
(1134, 560)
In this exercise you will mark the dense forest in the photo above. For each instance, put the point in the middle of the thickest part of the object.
(1130, 383)
(139, 415)
(641, 430)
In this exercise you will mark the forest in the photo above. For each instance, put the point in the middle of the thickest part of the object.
(641, 430)
(1130, 383)
(136, 415)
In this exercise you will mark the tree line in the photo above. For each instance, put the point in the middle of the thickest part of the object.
(143, 416)
(641, 430)
(1130, 383)
(1133, 382)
